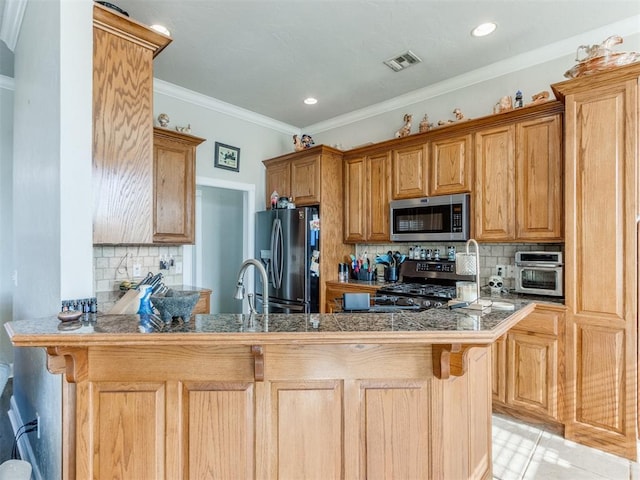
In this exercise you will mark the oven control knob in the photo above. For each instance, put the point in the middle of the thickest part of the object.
(437, 304)
(426, 303)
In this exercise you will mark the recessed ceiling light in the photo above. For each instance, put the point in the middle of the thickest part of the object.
(310, 101)
(484, 29)
(162, 29)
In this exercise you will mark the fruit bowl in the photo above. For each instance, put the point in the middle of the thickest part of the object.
(175, 304)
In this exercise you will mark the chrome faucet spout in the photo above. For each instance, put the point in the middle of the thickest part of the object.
(265, 282)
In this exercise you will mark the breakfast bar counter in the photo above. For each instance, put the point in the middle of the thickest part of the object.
(345, 395)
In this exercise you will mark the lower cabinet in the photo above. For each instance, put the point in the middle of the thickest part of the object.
(528, 367)
(276, 411)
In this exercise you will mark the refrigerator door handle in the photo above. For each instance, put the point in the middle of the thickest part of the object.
(288, 306)
(277, 258)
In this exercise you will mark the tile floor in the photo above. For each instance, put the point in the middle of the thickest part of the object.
(525, 452)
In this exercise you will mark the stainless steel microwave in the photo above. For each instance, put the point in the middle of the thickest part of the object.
(430, 219)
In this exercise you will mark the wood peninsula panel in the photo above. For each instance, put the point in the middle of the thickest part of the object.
(306, 429)
(601, 190)
(127, 430)
(123, 52)
(218, 430)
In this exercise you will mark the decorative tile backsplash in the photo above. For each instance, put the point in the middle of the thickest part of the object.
(113, 264)
(491, 254)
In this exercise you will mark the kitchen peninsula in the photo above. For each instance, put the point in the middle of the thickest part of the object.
(393, 395)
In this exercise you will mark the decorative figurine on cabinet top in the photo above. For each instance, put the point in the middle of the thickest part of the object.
(459, 115)
(163, 120)
(504, 105)
(424, 125)
(305, 141)
(600, 57)
(186, 129)
(406, 128)
(539, 97)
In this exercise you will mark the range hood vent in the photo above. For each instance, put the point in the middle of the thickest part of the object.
(402, 61)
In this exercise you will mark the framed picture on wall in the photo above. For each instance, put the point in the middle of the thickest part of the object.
(227, 157)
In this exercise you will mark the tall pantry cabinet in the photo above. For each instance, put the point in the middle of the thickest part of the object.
(601, 258)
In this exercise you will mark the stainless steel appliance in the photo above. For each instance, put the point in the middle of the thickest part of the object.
(539, 273)
(288, 246)
(424, 284)
(440, 218)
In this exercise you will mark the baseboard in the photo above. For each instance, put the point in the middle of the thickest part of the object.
(24, 446)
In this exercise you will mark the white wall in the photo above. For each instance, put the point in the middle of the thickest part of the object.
(475, 94)
(52, 172)
(257, 139)
(6, 214)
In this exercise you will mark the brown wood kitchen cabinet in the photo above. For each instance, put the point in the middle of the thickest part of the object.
(518, 178)
(123, 52)
(409, 172)
(314, 177)
(602, 120)
(367, 188)
(451, 165)
(528, 367)
(174, 167)
(301, 175)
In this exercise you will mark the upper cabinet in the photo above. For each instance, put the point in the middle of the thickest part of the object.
(314, 177)
(409, 172)
(299, 175)
(123, 52)
(451, 164)
(366, 198)
(510, 162)
(518, 180)
(174, 167)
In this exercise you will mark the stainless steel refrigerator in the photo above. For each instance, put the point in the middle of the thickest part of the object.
(287, 244)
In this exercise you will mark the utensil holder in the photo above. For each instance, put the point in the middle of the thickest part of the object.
(363, 275)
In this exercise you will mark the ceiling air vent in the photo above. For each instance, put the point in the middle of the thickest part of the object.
(402, 61)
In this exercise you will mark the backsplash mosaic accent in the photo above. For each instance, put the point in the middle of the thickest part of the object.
(491, 254)
(113, 264)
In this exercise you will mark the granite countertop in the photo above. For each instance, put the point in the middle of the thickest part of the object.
(437, 325)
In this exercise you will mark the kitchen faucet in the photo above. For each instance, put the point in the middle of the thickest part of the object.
(265, 283)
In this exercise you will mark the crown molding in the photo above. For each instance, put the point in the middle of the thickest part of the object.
(538, 56)
(11, 22)
(186, 95)
(7, 83)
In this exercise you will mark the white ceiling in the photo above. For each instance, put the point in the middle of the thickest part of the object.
(268, 55)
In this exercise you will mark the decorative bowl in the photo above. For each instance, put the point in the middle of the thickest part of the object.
(174, 304)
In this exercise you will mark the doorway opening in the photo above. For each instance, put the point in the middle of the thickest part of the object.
(225, 226)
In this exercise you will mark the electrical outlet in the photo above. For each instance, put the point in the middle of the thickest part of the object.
(511, 272)
(38, 425)
(14, 278)
(501, 270)
(178, 267)
(137, 270)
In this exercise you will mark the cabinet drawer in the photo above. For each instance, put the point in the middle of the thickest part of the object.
(540, 322)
